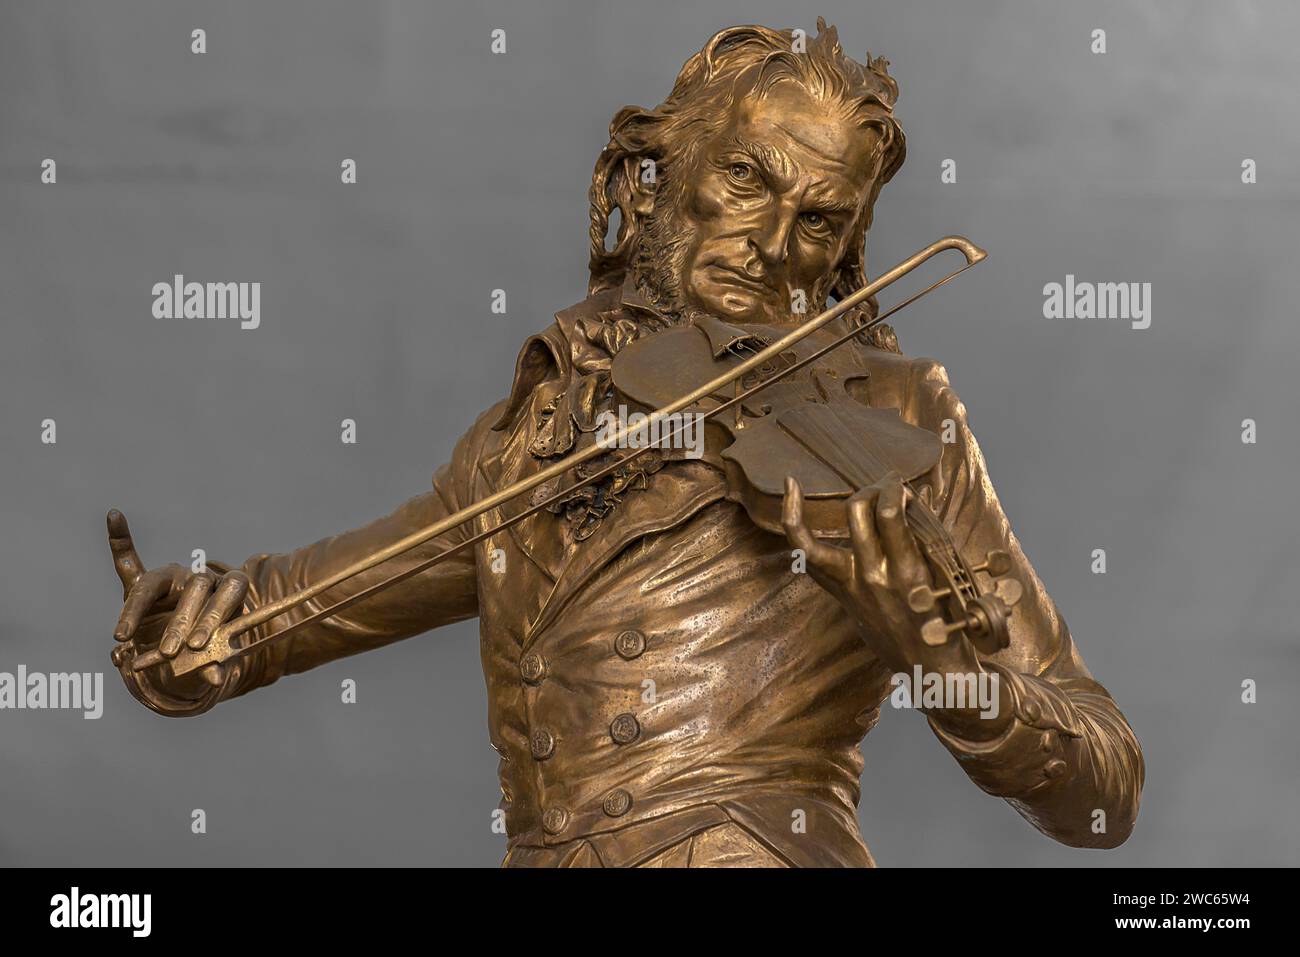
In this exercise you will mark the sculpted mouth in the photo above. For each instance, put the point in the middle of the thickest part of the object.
(735, 277)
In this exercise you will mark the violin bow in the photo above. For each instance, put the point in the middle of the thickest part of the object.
(222, 647)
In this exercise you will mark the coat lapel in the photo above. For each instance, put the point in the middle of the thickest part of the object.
(672, 496)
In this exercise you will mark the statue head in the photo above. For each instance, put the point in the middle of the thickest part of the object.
(753, 183)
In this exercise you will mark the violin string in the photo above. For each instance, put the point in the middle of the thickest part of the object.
(399, 577)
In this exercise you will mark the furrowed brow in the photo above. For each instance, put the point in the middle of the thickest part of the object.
(832, 204)
(827, 205)
(771, 162)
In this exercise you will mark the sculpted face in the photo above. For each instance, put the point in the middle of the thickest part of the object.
(771, 205)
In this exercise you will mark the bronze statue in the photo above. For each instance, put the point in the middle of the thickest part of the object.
(667, 686)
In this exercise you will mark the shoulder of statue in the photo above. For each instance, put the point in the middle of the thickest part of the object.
(590, 308)
(897, 380)
(553, 353)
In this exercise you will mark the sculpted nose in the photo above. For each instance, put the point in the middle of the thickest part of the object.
(771, 238)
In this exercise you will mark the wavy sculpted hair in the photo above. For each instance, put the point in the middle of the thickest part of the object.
(702, 96)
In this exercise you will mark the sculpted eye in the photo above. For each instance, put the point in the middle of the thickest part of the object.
(814, 221)
(741, 172)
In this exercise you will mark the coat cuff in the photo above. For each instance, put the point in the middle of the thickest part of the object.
(1036, 751)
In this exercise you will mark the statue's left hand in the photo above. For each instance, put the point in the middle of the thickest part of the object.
(872, 578)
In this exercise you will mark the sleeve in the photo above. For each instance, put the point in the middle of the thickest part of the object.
(445, 593)
(1067, 761)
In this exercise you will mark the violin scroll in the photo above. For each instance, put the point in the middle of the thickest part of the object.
(983, 615)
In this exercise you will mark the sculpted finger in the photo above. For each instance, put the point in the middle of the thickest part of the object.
(125, 558)
(227, 599)
(147, 590)
(121, 655)
(826, 557)
(867, 550)
(901, 551)
(191, 602)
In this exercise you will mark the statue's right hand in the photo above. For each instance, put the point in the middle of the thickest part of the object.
(169, 608)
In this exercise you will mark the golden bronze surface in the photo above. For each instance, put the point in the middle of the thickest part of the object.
(683, 653)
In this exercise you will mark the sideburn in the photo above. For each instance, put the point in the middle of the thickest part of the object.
(660, 260)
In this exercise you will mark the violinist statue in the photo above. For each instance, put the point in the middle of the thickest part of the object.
(671, 680)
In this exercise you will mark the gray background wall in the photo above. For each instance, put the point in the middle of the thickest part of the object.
(473, 170)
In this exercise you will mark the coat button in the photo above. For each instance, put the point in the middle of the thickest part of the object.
(617, 803)
(624, 729)
(629, 644)
(555, 819)
(542, 744)
(532, 668)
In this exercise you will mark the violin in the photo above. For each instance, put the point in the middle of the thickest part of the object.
(773, 405)
(808, 425)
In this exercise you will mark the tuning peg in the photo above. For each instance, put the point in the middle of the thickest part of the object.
(935, 632)
(985, 625)
(1009, 590)
(996, 563)
(922, 598)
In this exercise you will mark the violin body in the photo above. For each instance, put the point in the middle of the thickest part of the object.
(809, 425)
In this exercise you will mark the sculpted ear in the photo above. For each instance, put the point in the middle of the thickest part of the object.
(633, 135)
(641, 180)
